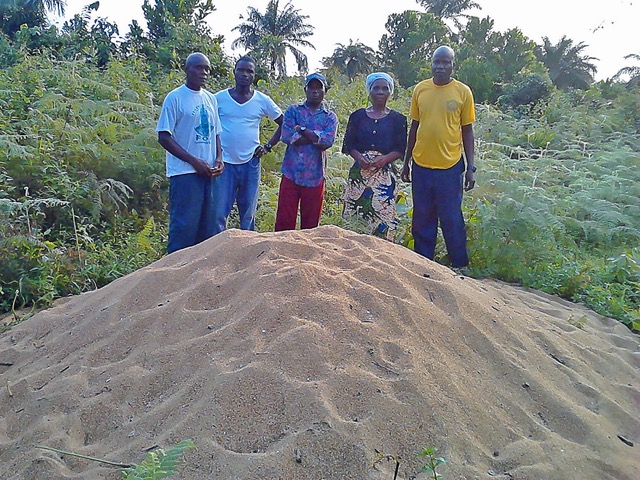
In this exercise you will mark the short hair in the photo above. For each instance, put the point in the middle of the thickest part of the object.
(246, 58)
(193, 55)
(446, 48)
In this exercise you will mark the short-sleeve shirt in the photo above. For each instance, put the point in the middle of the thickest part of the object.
(191, 117)
(442, 111)
(384, 135)
(241, 124)
(305, 164)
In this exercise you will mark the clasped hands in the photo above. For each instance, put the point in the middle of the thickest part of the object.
(376, 163)
(204, 169)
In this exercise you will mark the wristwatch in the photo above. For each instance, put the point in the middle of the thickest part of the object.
(472, 168)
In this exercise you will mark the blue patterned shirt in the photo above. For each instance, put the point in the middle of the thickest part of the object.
(305, 164)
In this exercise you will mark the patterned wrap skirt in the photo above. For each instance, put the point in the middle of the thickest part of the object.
(371, 196)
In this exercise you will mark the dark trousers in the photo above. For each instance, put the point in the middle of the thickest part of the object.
(290, 196)
(437, 196)
(191, 205)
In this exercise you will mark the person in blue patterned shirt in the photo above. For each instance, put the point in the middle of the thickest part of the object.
(308, 129)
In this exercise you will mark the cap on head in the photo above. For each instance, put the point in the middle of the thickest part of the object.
(316, 76)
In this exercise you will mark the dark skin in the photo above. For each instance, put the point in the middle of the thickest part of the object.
(442, 65)
(314, 92)
(197, 69)
(245, 74)
(380, 93)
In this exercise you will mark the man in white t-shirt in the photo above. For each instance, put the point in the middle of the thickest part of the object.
(241, 108)
(189, 130)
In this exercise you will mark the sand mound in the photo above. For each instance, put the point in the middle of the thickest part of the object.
(319, 355)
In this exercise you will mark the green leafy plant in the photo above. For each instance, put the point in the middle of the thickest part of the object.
(578, 322)
(433, 462)
(157, 464)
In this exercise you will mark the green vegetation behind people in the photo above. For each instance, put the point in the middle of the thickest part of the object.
(83, 195)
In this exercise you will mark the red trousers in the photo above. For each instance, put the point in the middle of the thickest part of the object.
(291, 195)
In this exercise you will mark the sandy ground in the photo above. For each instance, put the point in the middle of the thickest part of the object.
(321, 354)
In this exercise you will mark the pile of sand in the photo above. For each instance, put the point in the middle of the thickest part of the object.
(320, 354)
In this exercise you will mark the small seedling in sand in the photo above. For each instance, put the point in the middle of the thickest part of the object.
(433, 462)
(157, 464)
(578, 323)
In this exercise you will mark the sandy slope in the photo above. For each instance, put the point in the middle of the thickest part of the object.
(319, 355)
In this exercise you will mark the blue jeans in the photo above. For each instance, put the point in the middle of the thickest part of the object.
(437, 195)
(190, 210)
(238, 183)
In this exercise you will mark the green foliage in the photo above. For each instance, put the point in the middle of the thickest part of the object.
(433, 462)
(568, 66)
(407, 47)
(448, 8)
(9, 53)
(159, 463)
(270, 36)
(176, 28)
(487, 60)
(80, 160)
(557, 200)
(351, 60)
(632, 72)
(527, 88)
(95, 43)
(164, 15)
(32, 13)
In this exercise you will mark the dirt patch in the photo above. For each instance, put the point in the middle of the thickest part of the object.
(312, 355)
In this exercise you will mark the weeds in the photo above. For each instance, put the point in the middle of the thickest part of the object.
(433, 462)
(157, 464)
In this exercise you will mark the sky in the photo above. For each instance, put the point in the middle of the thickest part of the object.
(610, 28)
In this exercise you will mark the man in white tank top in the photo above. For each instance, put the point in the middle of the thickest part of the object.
(240, 109)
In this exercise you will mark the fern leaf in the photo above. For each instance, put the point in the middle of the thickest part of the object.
(115, 191)
(144, 237)
(169, 460)
(158, 465)
(11, 148)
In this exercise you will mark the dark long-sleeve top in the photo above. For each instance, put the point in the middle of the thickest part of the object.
(387, 134)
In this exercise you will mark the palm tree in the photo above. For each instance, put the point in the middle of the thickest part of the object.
(272, 34)
(33, 13)
(568, 66)
(56, 6)
(352, 60)
(633, 72)
(444, 9)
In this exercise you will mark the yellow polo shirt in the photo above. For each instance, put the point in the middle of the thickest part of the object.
(442, 110)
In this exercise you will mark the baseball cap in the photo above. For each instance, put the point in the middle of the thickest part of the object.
(319, 77)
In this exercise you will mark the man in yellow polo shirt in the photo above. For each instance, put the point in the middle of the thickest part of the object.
(442, 113)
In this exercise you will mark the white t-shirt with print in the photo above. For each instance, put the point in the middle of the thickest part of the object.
(191, 117)
(241, 124)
